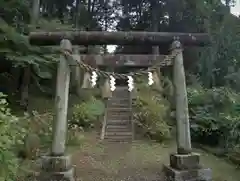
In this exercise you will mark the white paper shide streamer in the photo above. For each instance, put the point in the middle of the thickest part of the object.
(94, 79)
(112, 83)
(150, 78)
(130, 84)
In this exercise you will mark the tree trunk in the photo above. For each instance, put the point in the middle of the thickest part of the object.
(25, 87)
(15, 85)
(76, 70)
(155, 28)
(76, 73)
(35, 12)
(77, 13)
(126, 24)
(27, 70)
(105, 23)
(228, 5)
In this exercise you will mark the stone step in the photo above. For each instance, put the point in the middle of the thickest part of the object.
(119, 122)
(120, 127)
(121, 100)
(121, 92)
(121, 114)
(118, 130)
(125, 91)
(118, 140)
(120, 96)
(116, 103)
(114, 116)
(119, 106)
(119, 110)
(118, 116)
(126, 124)
(118, 133)
(121, 89)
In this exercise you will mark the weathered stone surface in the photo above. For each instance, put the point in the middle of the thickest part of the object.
(57, 176)
(118, 38)
(181, 101)
(119, 60)
(184, 162)
(200, 174)
(56, 163)
(119, 127)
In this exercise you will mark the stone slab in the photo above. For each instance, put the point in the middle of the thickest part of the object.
(57, 176)
(185, 162)
(56, 163)
(202, 174)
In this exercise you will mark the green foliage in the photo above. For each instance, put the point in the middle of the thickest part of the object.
(42, 125)
(88, 94)
(86, 113)
(151, 114)
(222, 57)
(214, 115)
(9, 136)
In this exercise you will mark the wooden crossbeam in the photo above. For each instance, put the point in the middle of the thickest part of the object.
(120, 60)
(118, 38)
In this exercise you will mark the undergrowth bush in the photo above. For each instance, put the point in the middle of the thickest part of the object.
(87, 94)
(14, 131)
(9, 136)
(42, 125)
(87, 113)
(152, 114)
(215, 116)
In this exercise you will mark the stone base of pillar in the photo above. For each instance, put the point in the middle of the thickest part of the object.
(57, 168)
(186, 168)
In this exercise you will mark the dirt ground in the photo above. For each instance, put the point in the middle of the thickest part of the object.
(141, 160)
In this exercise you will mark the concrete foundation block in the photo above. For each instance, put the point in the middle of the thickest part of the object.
(186, 161)
(56, 163)
(199, 174)
(57, 168)
(57, 176)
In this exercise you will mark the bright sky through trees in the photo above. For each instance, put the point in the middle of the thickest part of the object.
(235, 10)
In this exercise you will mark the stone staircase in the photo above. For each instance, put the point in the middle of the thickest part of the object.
(119, 126)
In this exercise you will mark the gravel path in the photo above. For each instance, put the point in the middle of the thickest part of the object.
(140, 161)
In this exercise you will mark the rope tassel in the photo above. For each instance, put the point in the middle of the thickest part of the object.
(86, 81)
(156, 79)
(106, 92)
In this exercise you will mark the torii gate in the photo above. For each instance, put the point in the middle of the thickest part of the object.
(184, 165)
